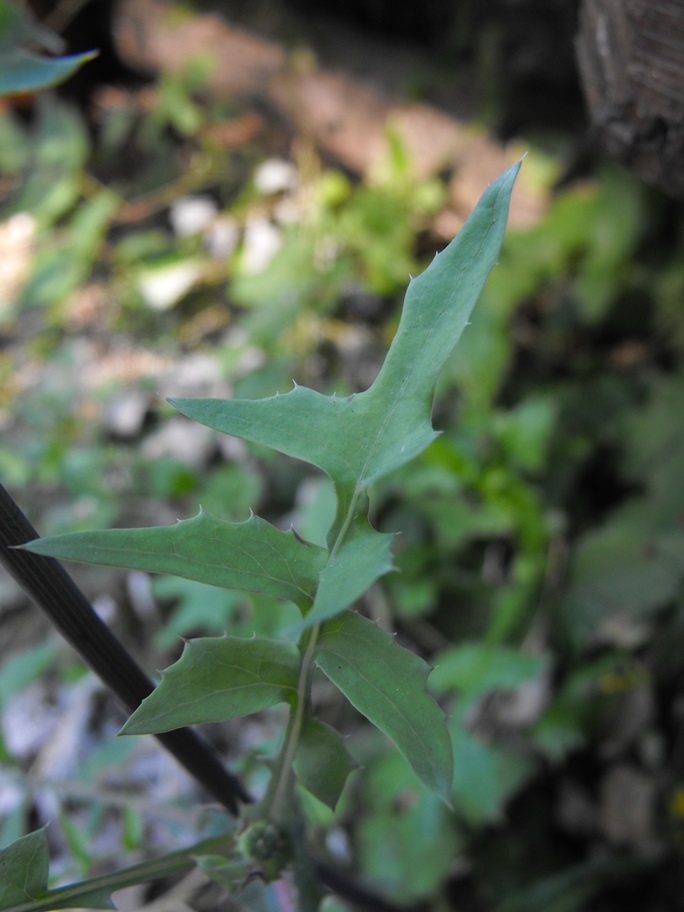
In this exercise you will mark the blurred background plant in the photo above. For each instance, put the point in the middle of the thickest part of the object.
(162, 239)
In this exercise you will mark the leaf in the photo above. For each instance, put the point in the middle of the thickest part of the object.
(361, 438)
(577, 708)
(323, 763)
(24, 667)
(409, 853)
(252, 555)
(199, 607)
(625, 567)
(485, 777)
(23, 72)
(387, 685)
(24, 869)
(476, 668)
(406, 839)
(218, 678)
(362, 559)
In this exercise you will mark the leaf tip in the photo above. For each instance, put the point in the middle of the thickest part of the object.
(298, 537)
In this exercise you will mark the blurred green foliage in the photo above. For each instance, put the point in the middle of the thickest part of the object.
(543, 541)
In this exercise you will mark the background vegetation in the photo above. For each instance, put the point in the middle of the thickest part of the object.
(542, 554)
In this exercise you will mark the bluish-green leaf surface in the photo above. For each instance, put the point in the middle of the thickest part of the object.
(252, 555)
(387, 685)
(21, 70)
(218, 678)
(358, 439)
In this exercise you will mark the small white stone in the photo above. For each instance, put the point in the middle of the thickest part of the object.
(275, 176)
(178, 438)
(191, 214)
(125, 414)
(221, 237)
(262, 242)
(164, 286)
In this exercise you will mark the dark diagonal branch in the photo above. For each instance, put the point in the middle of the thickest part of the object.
(52, 589)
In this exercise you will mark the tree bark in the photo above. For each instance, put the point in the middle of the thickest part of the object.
(631, 61)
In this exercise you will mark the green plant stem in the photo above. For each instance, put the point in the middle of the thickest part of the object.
(277, 798)
(276, 802)
(173, 863)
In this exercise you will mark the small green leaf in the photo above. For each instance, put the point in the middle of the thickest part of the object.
(217, 679)
(252, 555)
(476, 668)
(387, 685)
(362, 559)
(323, 762)
(406, 839)
(627, 566)
(22, 668)
(485, 776)
(22, 72)
(24, 869)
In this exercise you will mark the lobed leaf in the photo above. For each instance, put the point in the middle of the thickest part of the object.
(359, 439)
(252, 555)
(218, 678)
(387, 685)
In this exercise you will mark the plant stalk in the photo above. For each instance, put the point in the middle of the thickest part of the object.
(164, 866)
(277, 800)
